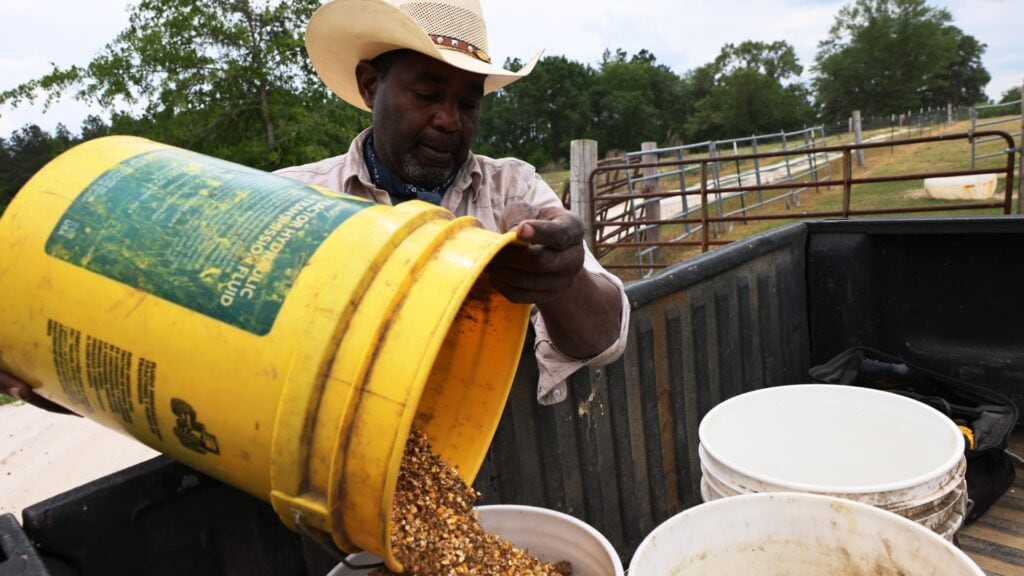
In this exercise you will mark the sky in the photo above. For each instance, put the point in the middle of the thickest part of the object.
(682, 34)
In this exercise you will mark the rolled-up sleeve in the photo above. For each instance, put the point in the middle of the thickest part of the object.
(555, 366)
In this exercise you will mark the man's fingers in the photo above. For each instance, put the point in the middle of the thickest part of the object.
(534, 274)
(562, 232)
(536, 259)
(548, 259)
(514, 294)
(552, 227)
(516, 289)
(13, 387)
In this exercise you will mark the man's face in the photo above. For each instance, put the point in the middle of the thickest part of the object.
(424, 116)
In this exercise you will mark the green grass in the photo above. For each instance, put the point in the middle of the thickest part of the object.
(557, 180)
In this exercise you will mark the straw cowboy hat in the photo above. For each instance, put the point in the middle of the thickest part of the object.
(343, 32)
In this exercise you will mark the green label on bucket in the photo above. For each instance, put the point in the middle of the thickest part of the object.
(215, 237)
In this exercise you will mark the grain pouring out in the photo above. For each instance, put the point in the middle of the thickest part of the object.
(434, 530)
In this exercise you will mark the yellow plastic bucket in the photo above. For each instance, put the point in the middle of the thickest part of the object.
(278, 336)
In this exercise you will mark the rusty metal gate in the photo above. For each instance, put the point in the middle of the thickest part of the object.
(618, 224)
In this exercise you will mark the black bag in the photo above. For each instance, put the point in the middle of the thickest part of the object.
(988, 415)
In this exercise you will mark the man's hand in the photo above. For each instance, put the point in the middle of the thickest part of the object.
(547, 261)
(14, 387)
(581, 310)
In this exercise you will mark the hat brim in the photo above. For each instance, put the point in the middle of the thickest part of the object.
(343, 33)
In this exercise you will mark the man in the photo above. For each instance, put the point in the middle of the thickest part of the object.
(422, 69)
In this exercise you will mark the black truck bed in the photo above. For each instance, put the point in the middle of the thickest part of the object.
(621, 452)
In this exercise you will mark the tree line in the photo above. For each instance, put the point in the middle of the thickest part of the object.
(230, 78)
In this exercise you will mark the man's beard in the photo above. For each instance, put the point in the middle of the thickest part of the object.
(425, 176)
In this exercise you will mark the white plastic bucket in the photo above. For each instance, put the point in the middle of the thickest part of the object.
(795, 534)
(731, 482)
(934, 510)
(547, 534)
(836, 439)
(874, 447)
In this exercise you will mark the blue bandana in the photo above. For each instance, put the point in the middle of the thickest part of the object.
(399, 191)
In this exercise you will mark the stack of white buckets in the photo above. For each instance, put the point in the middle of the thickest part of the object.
(859, 444)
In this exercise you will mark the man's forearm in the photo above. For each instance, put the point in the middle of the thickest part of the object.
(584, 320)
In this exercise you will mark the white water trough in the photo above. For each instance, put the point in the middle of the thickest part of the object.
(974, 187)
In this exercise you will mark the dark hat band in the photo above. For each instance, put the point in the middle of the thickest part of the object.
(460, 46)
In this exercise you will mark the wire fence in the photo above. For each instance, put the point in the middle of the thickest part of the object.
(909, 124)
(1007, 116)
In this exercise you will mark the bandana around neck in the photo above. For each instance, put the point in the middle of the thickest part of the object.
(398, 190)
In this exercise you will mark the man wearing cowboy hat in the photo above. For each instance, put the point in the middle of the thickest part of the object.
(422, 68)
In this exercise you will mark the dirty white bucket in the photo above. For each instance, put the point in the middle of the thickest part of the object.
(547, 534)
(943, 516)
(946, 499)
(730, 482)
(795, 534)
(867, 445)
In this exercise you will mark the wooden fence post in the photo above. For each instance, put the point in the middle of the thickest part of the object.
(582, 163)
(858, 138)
(949, 113)
(1020, 153)
(652, 206)
(974, 143)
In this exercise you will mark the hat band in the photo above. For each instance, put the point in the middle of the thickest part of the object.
(460, 46)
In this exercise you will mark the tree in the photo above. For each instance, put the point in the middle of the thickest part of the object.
(890, 56)
(537, 118)
(753, 89)
(963, 81)
(228, 78)
(1011, 95)
(25, 153)
(635, 99)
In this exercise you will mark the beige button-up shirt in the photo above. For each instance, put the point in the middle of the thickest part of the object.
(482, 189)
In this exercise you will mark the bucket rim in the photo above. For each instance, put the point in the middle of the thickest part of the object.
(945, 468)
